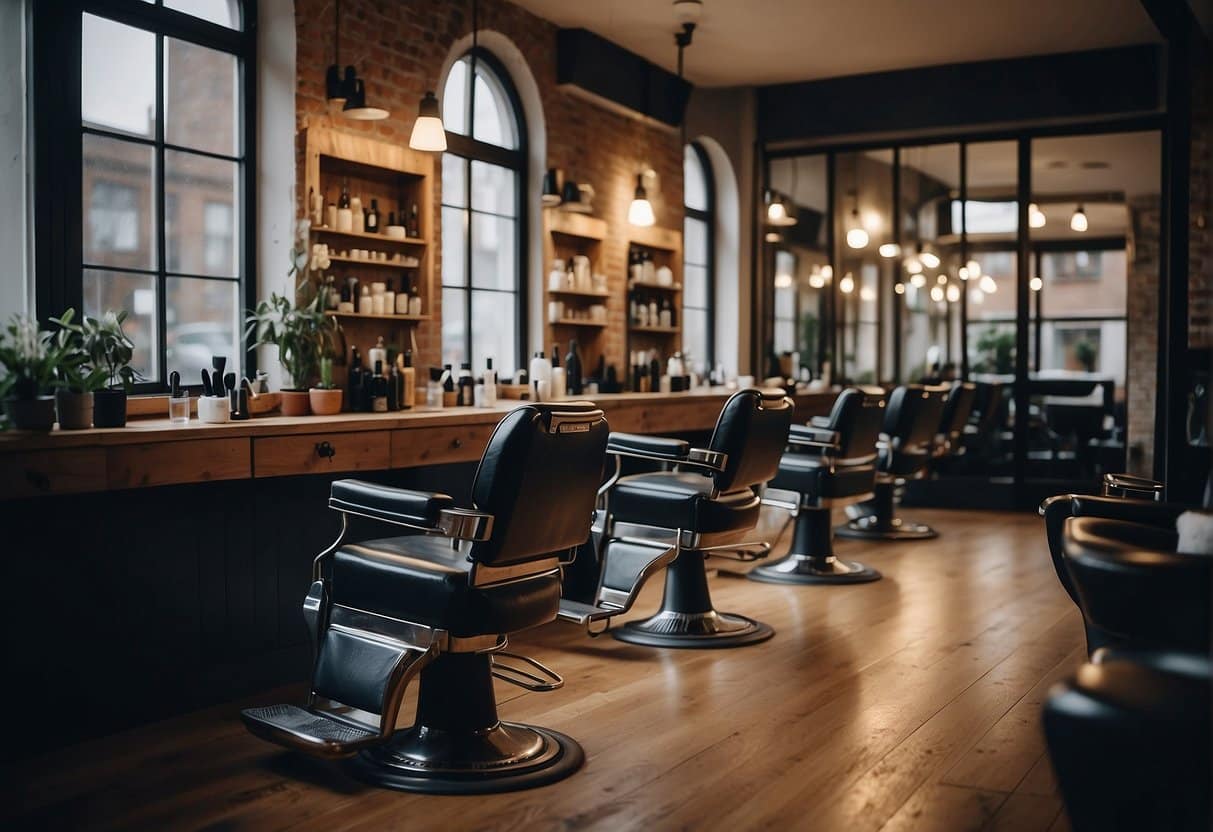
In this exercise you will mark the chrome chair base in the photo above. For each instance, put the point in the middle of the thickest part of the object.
(803, 569)
(505, 758)
(869, 528)
(704, 630)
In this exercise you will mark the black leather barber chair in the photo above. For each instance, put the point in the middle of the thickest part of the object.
(675, 519)
(912, 419)
(440, 604)
(829, 462)
(957, 408)
(1125, 498)
(1129, 734)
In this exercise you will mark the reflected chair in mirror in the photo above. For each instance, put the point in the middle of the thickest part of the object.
(912, 419)
(829, 462)
(1129, 733)
(708, 505)
(440, 603)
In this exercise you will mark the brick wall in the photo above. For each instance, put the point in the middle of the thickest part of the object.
(1142, 306)
(399, 48)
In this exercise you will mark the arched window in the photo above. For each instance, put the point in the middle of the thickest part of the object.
(698, 258)
(483, 176)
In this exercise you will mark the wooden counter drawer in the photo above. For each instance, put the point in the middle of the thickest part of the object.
(321, 453)
(439, 446)
(174, 463)
(34, 473)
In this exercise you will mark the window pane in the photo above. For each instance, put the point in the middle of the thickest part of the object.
(454, 326)
(494, 317)
(696, 242)
(201, 234)
(694, 184)
(494, 120)
(695, 280)
(1088, 283)
(992, 347)
(695, 335)
(494, 263)
(201, 322)
(224, 12)
(200, 97)
(119, 203)
(494, 189)
(454, 99)
(106, 291)
(118, 77)
(454, 247)
(453, 182)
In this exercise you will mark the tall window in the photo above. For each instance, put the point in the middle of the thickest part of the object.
(143, 193)
(483, 172)
(698, 258)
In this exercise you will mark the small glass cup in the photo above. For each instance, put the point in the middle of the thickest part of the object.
(179, 409)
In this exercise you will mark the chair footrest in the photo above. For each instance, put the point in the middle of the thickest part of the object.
(308, 731)
(580, 613)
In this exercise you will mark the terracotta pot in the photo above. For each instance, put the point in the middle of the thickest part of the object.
(325, 402)
(109, 409)
(37, 413)
(296, 403)
(75, 410)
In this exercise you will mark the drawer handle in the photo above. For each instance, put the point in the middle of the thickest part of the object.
(325, 451)
(456, 442)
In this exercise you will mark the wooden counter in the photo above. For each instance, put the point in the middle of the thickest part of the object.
(152, 452)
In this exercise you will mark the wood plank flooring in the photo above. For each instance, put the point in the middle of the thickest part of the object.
(910, 703)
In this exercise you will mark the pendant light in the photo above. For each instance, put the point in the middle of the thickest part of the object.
(927, 257)
(857, 235)
(355, 104)
(1036, 217)
(937, 294)
(1036, 284)
(889, 250)
(1078, 222)
(346, 89)
(918, 280)
(847, 284)
(899, 288)
(778, 213)
(428, 131)
(640, 212)
(953, 293)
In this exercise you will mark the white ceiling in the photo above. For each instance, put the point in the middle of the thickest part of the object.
(741, 42)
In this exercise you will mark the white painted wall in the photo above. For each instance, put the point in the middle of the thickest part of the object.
(16, 280)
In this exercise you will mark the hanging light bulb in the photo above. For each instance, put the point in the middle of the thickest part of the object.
(976, 296)
(847, 284)
(1036, 217)
(974, 268)
(867, 293)
(773, 237)
(783, 280)
(988, 285)
(827, 271)
(779, 213)
(1036, 284)
(913, 265)
(937, 293)
(899, 288)
(953, 293)
(817, 281)
(963, 272)
(428, 132)
(1078, 222)
(640, 212)
(928, 258)
(941, 279)
(890, 250)
(918, 281)
(857, 237)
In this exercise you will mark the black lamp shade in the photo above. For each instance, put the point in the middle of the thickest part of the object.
(333, 86)
(429, 106)
(571, 192)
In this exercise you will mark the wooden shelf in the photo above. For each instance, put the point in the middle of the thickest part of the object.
(666, 239)
(333, 314)
(666, 330)
(579, 294)
(576, 225)
(578, 322)
(362, 235)
(659, 287)
(383, 264)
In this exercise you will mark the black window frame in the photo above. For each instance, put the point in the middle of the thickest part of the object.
(708, 217)
(471, 150)
(55, 35)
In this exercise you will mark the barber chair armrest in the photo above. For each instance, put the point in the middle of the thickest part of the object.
(813, 437)
(820, 422)
(1120, 508)
(426, 511)
(659, 448)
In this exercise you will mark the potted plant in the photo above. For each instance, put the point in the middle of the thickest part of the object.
(325, 397)
(78, 379)
(301, 331)
(31, 358)
(108, 349)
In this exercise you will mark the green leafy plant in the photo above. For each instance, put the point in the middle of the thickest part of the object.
(326, 373)
(302, 333)
(34, 359)
(1085, 353)
(995, 352)
(76, 373)
(106, 351)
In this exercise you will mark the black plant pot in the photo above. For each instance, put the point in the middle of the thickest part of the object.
(109, 409)
(75, 410)
(37, 413)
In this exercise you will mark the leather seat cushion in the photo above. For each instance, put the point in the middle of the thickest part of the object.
(671, 500)
(903, 463)
(810, 476)
(421, 579)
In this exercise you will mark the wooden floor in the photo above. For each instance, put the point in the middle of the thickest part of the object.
(911, 703)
